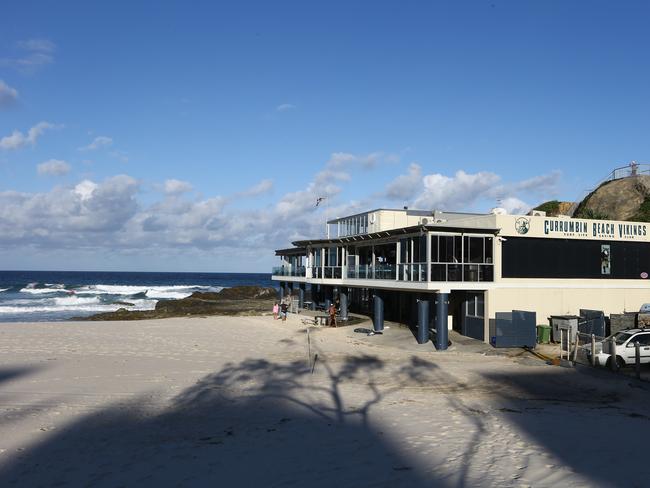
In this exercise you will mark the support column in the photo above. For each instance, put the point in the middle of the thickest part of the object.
(328, 297)
(301, 296)
(343, 297)
(423, 321)
(378, 305)
(281, 291)
(314, 296)
(442, 311)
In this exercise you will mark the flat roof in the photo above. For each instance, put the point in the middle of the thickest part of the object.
(408, 211)
(395, 232)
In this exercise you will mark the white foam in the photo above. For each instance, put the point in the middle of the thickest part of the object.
(88, 307)
(174, 291)
(75, 300)
(3, 289)
(41, 291)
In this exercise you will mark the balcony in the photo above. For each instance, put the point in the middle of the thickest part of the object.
(329, 272)
(415, 272)
(462, 272)
(289, 271)
(369, 272)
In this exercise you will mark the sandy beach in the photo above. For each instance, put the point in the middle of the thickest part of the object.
(240, 401)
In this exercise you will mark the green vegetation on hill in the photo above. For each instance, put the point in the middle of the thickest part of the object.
(643, 214)
(552, 208)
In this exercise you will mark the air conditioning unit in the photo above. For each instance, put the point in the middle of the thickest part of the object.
(537, 213)
(424, 221)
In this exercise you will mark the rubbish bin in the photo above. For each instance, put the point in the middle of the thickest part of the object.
(543, 334)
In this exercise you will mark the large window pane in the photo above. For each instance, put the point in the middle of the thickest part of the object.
(446, 249)
(476, 250)
(434, 249)
(488, 249)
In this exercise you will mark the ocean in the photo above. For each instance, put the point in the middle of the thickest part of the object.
(39, 296)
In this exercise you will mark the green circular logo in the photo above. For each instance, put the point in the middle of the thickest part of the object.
(522, 225)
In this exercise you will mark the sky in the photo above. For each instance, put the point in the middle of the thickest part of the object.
(197, 136)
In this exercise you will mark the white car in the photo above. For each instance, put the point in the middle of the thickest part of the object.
(625, 350)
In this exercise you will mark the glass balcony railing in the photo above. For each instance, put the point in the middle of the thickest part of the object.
(369, 272)
(464, 272)
(329, 272)
(289, 271)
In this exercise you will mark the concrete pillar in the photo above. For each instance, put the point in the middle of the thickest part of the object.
(378, 305)
(314, 296)
(327, 291)
(343, 297)
(301, 296)
(423, 321)
(442, 310)
(281, 293)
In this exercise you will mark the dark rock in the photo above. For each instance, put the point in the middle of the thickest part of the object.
(238, 300)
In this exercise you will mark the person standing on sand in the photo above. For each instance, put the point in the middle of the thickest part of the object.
(284, 307)
(276, 308)
(332, 313)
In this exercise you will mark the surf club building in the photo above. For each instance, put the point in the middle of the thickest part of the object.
(458, 270)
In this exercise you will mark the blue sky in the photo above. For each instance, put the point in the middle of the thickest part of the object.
(195, 136)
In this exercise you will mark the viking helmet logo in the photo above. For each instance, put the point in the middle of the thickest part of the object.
(522, 225)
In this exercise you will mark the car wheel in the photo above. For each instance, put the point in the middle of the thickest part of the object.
(620, 363)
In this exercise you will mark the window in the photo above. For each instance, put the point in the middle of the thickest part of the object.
(644, 339)
(475, 305)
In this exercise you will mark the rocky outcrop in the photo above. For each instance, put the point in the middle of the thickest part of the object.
(238, 300)
(622, 199)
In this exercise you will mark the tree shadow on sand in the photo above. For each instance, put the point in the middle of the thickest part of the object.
(255, 423)
(589, 421)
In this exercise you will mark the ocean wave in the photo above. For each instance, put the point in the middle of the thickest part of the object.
(4, 289)
(77, 307)
(40, 289)
(75, 300)
(155, 292)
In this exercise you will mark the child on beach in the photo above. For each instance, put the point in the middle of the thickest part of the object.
(275, 311)
(284, 308)
(332, 313)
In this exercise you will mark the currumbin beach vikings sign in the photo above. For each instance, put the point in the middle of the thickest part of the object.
(600, 229)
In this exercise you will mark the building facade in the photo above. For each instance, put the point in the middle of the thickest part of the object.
(467, 267)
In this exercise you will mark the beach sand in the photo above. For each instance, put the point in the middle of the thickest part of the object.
(240, 401)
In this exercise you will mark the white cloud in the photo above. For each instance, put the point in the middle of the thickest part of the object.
(111, 216)
(85, 189)
(8, 95)
(176, 187)
(38, 45)
(285, 107)
(98, 142)
(457, 192)
(17, 139)
(260, 188)
(32, 54)
(53, 167)
(86, 215)
(515, 206)
(406, 187)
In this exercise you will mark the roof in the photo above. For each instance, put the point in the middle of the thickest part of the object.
(420, 213)
(394, 232)
(290, 251)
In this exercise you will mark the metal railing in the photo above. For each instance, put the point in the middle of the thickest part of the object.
(330, 272)
(412, 272)
(462, 272)
(289, 271)
(370, 272)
